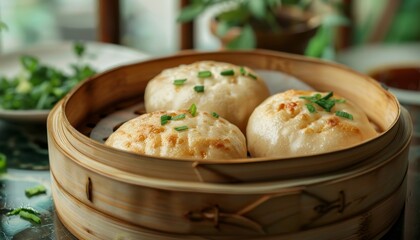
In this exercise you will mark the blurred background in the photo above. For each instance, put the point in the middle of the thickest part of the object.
(152, 27)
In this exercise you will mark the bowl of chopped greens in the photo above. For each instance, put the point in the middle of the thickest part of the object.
(32, 81)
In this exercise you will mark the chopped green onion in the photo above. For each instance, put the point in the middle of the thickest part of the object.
(204, 74)
(229, 72)
(344, 115)
(79, 49)
(16, 211)
(325, 104)
(164, 119)
(181, 128)
(313, 98)
(29, 216)
(3, 163)
(330, 94)
(199, 88)
(242, 71)
(310, 108)
(252, 76)
(179, 82)
(178, 117)
(339, 100)
(215, 115)
(30, 192)
(193, 110)
(26, 213)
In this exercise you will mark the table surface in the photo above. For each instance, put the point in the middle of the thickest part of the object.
(28, 165)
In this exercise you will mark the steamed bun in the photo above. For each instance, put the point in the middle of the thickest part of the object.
(203, 136)
(231, 91)
(292, 124)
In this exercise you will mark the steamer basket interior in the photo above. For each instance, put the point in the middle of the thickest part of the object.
(123, 88)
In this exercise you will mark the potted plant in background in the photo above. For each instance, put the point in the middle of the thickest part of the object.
(282, 25)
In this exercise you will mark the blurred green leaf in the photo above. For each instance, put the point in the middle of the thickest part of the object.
(403, 28)
(29, 63)
(273, 3)
(334, 20)
(257, 8)
(246, 40)
(222, 28)
(3, 26)
(79, 49)
(235, 16)
(318, 43)
(190, 12)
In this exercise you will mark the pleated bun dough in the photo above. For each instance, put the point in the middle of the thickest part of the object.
(207, 137)
(233, 97)
(283, 126)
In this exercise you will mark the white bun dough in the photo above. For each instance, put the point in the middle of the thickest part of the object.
(232, 97)
(283, 126)
(207, 137)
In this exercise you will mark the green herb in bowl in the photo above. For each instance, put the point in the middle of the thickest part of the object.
(39, 86)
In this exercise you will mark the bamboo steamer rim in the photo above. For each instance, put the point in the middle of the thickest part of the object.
(258, 52)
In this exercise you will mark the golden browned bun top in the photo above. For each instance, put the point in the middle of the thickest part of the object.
(292, 123)
(203, 136)
(231, 91)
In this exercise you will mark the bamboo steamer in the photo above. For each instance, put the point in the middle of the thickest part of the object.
(101, 192)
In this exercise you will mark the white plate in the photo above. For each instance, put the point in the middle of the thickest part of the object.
(101, 56)
(369, 57)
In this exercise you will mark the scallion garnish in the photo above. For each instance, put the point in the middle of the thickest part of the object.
(229, 72)
(344, 115)
(310, 108)
(204, 74)
(193, 110)
(242, 71)
(199, 88)
(3, 163)
(179, 82)
(330, 94)
(30, 192)
(340, 100)
(164, 119)
(26, 213)
(178, 117)
(326, 102)
(30, 216)
(17, 210)
(215, 115)
(313, 98)
(252, 76)
(181, 128)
